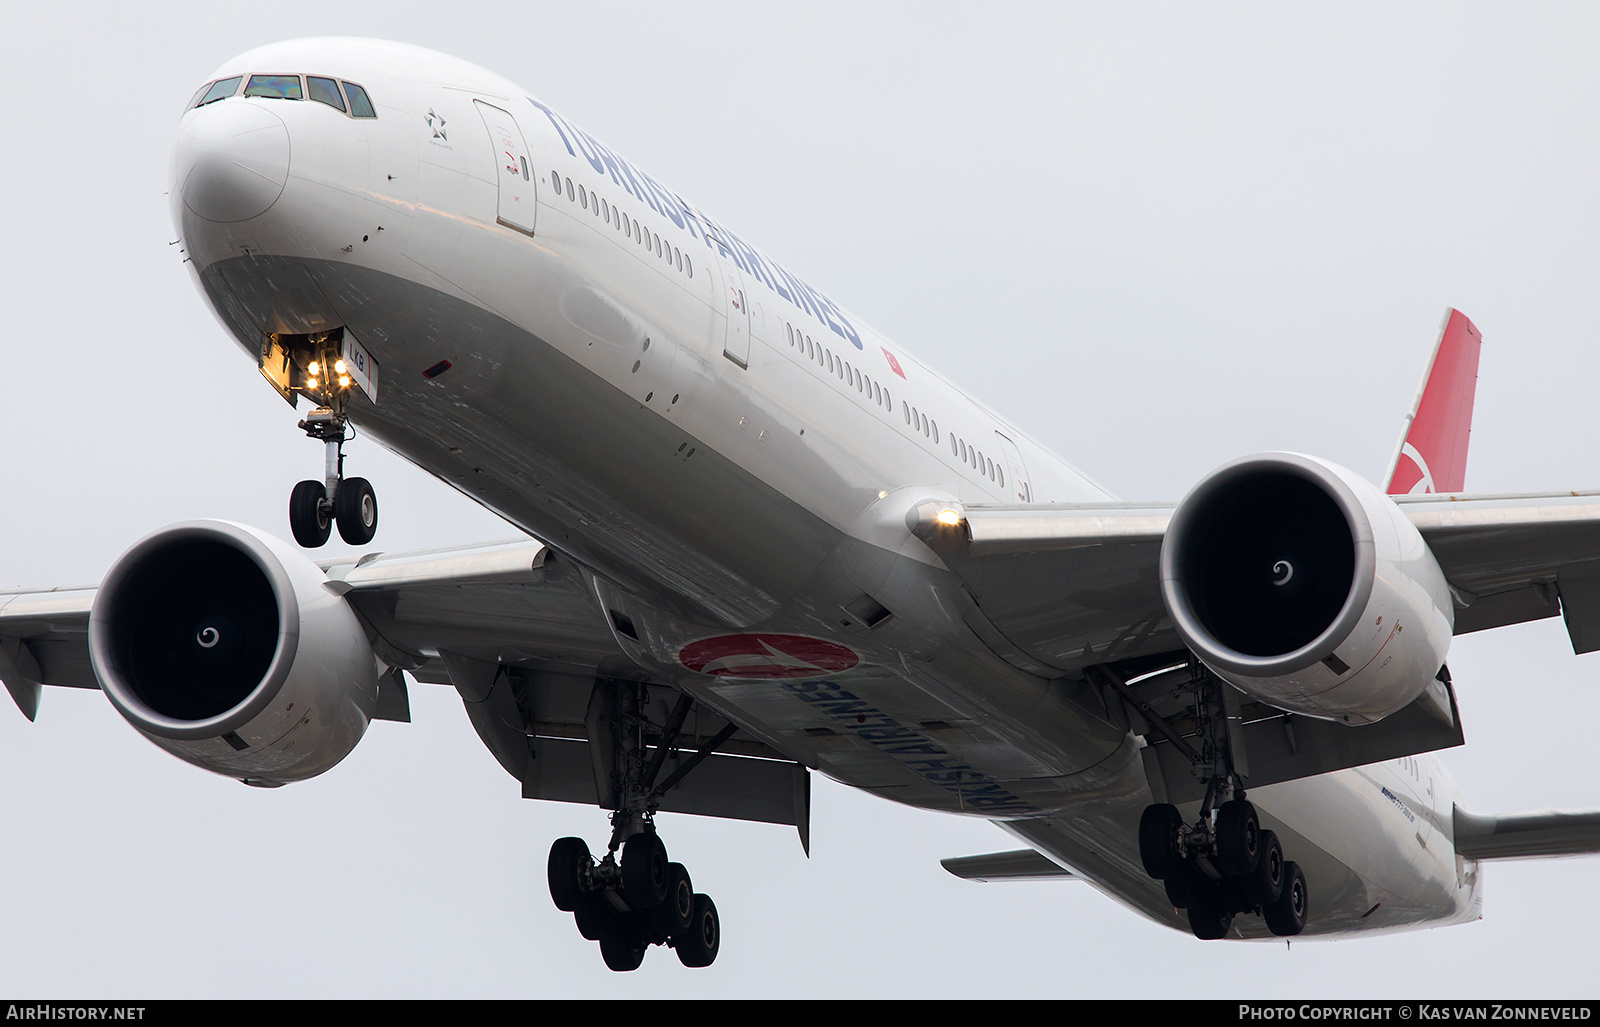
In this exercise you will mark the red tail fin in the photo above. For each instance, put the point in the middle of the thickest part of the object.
(1433, 452)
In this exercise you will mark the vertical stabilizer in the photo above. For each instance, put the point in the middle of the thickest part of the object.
(1433, 450)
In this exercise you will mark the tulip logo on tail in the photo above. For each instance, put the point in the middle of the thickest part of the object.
(1423, 484)
(766, 656)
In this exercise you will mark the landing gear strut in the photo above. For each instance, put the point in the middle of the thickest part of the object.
(1224, 864)
(316, 506)
(635, 897)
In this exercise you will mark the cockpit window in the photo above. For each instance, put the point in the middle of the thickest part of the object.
(360, 106)
(281, 87)
(219, 90)
(324, 90)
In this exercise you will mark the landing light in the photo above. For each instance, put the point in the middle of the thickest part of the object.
(311, 383)
(313, 368)
(949, 518)
(339, 368)
(344, 381)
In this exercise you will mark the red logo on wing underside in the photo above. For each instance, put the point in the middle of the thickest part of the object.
(766, 656)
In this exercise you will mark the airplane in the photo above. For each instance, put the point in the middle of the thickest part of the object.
(896, 637)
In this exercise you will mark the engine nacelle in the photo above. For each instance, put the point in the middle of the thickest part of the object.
(220, 644)
(1302, 584)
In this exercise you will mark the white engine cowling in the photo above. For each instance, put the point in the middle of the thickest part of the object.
(220, 644)
(1302, 584)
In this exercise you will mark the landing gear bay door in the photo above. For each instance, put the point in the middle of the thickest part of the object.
(359, 365)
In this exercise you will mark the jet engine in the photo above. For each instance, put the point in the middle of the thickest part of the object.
(1302, 584)
(220, 644)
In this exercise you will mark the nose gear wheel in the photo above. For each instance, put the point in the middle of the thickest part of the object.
(313, 368)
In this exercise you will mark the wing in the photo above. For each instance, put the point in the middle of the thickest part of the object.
(1074, 591)
(1071, 586)
(1517, 558)
(520, 635)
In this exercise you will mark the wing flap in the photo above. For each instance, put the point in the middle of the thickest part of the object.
(1513, 558)
(44, 641)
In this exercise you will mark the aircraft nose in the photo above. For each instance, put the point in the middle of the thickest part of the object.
(231, 161)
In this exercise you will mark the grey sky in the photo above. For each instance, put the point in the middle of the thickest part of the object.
(1155, 237)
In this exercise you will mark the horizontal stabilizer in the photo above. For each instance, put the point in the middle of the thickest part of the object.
(1017, 865)
(1526, 835)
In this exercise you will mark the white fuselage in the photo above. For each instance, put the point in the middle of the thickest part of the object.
(721, 446)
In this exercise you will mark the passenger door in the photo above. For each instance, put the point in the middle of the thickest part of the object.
(736, 303)
(515, 176)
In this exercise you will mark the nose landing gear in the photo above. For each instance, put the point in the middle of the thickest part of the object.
(316, 506)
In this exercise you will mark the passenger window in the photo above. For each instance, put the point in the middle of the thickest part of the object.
(688, 267)
(524, 162)
(877, 394)
(360, 106)
(677, 257)
(953, 451)
(583, 197)
(571, 195)
(790, 329)
(605, 211)
(935, 432)
(220, 90)
(274, 87)
(555, 176)
(635, 229)
(657, 239)
(325, 90)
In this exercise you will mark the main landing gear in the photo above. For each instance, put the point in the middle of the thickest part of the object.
(635, 897)
(1224, 864)
(316, 506)
(1218, 869)
(627, 905)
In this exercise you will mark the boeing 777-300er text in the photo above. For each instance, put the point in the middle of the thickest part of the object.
(761, 539)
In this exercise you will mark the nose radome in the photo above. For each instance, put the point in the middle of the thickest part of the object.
(231, 161)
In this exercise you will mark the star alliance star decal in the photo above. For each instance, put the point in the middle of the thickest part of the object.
(436, 123)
